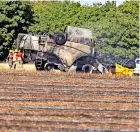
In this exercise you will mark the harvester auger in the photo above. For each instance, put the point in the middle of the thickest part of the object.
(123, 67)
(71, 51)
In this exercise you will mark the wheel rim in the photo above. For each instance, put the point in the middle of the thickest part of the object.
(87, 68)
(49, 67)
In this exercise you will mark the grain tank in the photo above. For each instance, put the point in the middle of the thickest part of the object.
(72, 50)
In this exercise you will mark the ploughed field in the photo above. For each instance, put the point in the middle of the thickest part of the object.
(44, 101)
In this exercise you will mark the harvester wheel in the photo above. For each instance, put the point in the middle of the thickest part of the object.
(59, 38)
(87, 68)
(49, 67)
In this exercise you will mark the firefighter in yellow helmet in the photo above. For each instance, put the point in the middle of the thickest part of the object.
(20, 59)
(15, 59)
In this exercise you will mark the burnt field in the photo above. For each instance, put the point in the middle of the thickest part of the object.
(43, 101)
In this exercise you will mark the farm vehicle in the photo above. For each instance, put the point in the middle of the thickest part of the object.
(126, 67)
(71, 51)
(137, 68)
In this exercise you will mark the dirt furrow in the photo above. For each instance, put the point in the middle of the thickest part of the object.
(66, 97)
(57, 124)
(69, 112)
(46, 101)
(73, 104)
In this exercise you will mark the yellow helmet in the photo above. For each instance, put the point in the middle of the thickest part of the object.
(16, 50)
(10, 51)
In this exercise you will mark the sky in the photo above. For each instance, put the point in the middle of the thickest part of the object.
(90, 2)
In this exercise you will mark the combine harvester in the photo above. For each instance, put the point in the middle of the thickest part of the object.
(71, 51)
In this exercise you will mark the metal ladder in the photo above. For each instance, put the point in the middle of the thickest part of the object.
(39, 59)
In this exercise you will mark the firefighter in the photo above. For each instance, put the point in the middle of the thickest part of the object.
(20, 59)
(10, 58)
(15, 59)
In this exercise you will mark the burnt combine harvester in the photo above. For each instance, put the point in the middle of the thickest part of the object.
(71, 51)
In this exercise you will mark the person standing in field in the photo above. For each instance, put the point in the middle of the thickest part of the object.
(20, 59)
(10, 56)
(15, 59)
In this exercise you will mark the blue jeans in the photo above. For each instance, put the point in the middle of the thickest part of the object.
(10, 63)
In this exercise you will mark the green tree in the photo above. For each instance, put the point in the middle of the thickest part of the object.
(54, 16)
(15, 17)
(116, 31)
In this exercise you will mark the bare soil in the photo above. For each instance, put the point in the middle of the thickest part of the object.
(68, 102)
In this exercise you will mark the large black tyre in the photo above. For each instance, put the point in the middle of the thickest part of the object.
(87, 68)
(59, 38)
(49, 67)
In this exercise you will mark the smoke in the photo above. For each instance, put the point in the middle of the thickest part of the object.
(109, 59)
(109, 55)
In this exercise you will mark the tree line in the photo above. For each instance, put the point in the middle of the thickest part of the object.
(115, 28)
